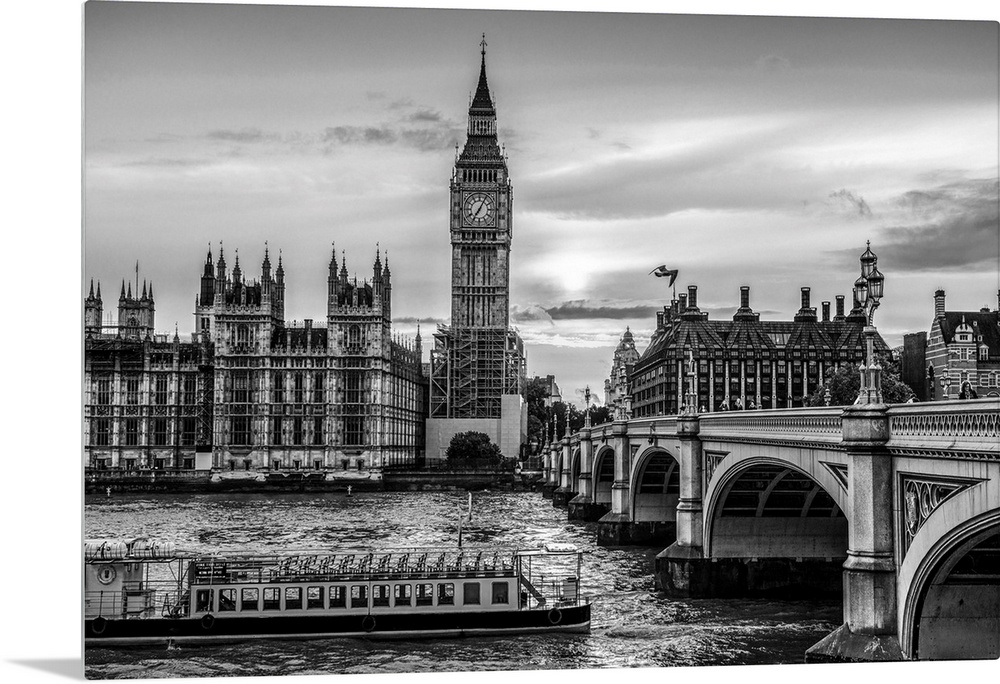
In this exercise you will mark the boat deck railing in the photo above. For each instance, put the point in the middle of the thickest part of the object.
(331, 567)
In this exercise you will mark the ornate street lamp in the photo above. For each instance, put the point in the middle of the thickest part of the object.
(689, 408)
(945, 384)
(868, 290)
(586, 410)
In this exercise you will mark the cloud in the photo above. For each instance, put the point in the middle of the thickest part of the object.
(167, 162)
(772, 63)
(951, 227)
(532, 312)
(857, 204)
(245, 135)
(363, 135)
(425, 114)
(580, 309)
(413, 320)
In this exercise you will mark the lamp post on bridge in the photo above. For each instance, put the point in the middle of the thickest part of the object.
(586, 409)
(868, 289)
(690, 407)
(945, 384)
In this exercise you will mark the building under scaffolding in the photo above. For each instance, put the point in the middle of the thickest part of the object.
(478, 367)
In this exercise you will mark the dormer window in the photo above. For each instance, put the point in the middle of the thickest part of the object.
(984, 352)
(964, 337)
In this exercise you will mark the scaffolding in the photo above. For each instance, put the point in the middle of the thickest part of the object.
(472, 368)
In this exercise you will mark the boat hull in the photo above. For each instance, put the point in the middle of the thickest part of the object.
(100, 632)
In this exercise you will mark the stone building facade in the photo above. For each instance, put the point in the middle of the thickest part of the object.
(746, 362)
(617, 388)
(963, 347)
(251, 389)
(147, 396)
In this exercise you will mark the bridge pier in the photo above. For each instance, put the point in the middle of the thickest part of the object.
(681, 569)
(870, 630)
(551, 473)
(564, 492)
(582, 506)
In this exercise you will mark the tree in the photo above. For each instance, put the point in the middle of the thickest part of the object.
(845, 384)
(473, 446)
(601, 414)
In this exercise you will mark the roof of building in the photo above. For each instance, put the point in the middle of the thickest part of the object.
(985, 323)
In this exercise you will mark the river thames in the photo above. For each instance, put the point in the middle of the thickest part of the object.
(632, 625)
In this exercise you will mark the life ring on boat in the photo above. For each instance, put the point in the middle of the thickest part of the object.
(207, 621)
(555, 616)
(368, 624)
(98, 626)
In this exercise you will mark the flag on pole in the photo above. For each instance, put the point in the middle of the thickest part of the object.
(662, 271)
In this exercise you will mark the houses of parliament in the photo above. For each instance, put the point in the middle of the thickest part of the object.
(248, 390)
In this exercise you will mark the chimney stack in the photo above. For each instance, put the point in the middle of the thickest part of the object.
(826, 312)
(840, 308)
(683, 301)
(939, 304)
(806, 313)
(692, 296)
(744, 296)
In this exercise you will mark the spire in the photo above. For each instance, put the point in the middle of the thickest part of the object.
(98, 290)
(91, 295)
(150, 290)
(236, 268)
(482, 100)
(129, 295)
(122, 296)
(144, 296)
(343, 266)
(266, 265)
(481, 145)
(333, 260)
(280, 272)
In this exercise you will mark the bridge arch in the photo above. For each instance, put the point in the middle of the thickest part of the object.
(949, 582)
(603, 473)
(761, 507)
(655, 486)
(574, 470)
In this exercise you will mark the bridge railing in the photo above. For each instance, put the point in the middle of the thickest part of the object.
(957, 429)
(813, 425)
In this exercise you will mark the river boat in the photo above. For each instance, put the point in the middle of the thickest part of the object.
(144, 592)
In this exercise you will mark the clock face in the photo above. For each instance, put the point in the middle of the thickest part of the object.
(479, 209)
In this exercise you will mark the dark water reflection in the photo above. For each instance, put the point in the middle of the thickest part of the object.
(632, 625)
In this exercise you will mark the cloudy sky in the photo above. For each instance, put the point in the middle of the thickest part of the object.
(740, 150)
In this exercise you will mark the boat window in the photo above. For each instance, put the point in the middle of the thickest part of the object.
(203, 601)
(500, 592)
(272, 598)
(425, 594)
(403, 595)
(359, 596)
(338, 597)
(446, 594)
(314, 597)
(470, 593)
(248, 599)
(380, 595)
(293, 598)
(227, 600)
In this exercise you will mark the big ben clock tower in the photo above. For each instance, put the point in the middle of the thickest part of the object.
(477, 364)
(481, 201)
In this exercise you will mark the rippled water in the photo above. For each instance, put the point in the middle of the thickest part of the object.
(632, 626)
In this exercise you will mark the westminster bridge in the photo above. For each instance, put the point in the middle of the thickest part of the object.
(896, 508)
